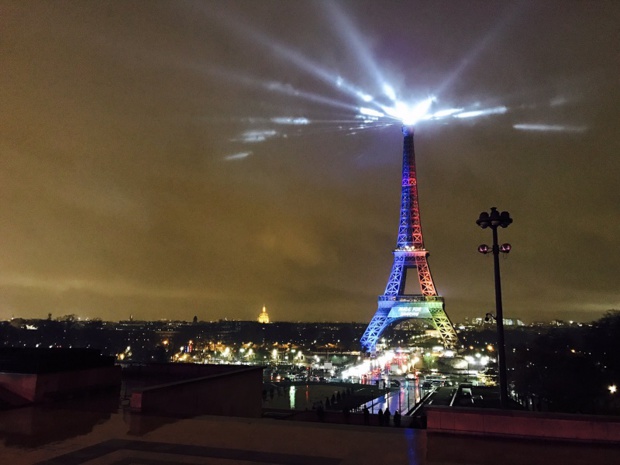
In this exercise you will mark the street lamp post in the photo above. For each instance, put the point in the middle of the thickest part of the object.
(494, 220)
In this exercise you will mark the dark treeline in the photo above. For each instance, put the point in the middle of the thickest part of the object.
(570, 369)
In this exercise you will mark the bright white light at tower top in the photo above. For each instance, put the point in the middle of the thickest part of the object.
(405, 113)
(410, 114)
(389, 105)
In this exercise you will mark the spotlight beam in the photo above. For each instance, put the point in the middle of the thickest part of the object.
(376, 107)
(352, 38)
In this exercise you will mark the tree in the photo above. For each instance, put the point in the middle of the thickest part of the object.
(571, 369)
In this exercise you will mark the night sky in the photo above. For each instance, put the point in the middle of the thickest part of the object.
(172, 159)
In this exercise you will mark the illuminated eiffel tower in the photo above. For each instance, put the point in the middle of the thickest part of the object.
(394, 304)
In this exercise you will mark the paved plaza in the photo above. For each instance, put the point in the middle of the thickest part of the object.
(94, 435)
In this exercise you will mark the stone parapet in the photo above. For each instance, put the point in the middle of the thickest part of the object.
(509, 423)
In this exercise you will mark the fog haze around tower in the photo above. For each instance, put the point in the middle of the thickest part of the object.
(172, 159)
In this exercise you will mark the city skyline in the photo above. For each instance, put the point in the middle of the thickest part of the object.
(169, 159)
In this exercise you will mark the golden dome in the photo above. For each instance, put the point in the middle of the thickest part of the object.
(263, 317)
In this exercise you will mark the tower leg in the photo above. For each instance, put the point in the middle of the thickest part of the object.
(374, 330)
(445, 327)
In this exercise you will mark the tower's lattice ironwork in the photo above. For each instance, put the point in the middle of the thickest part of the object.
(394, 304)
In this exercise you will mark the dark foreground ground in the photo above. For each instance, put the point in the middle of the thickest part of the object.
(82, 435)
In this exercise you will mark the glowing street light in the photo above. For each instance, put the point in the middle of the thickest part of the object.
(496, 220)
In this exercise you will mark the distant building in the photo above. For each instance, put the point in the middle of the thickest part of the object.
(263, 317)
(507, 322)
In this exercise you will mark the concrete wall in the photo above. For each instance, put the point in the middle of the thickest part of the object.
(541, 425)
(236, 392)
(20, 385)
(43, 386)
(176, 370)
(51, 385)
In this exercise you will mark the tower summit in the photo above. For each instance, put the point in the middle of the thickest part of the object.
(396, 305)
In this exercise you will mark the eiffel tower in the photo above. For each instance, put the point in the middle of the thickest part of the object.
(394, 304)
